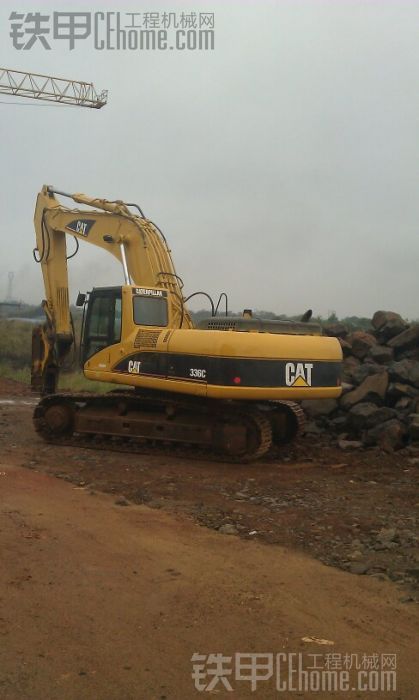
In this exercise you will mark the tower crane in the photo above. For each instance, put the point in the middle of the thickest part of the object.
(51, 89)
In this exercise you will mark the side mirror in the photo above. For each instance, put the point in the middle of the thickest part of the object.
(81, 299)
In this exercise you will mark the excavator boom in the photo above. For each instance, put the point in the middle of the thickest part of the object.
(132, 239)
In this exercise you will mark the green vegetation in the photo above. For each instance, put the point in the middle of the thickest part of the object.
(76, 381)
(15, 343)
(15, 359)
(19, 375)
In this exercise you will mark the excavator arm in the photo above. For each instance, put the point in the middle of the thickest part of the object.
(133, 240)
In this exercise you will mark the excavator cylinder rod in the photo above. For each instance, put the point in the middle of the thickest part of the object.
(52, 190)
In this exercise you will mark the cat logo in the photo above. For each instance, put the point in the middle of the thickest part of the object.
(298, 373)
(81, 226)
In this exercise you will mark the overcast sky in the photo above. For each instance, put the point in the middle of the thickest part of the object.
(283, 166)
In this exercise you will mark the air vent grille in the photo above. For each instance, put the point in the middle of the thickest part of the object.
(146, 339)
(222, 325)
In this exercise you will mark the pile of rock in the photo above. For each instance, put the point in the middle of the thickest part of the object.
(380, 400)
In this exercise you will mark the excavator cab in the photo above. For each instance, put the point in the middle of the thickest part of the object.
(102, 317)
(102, 321)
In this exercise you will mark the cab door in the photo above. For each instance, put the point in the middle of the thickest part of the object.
(103, 321)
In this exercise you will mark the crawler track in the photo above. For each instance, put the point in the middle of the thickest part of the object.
(131, 422)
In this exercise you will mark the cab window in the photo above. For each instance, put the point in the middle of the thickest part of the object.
(150, 311)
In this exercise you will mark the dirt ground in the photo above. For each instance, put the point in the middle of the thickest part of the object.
(115, 573)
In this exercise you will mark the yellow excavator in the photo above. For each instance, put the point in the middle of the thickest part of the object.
(229, 384)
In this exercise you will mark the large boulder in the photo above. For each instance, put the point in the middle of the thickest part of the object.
(360, 414)
(412, 354)
(381, 318)
(366, 369)
(398, 390)
(390, 435)
(335, 330)
(350, 365)
(382, 415)
(405, 371)
(406, 340)
(319, 407)
(346, 347)
(388, 324)
(373, 389)
(381, 354)
(361, 342)
(349, 444)
(363, 416)
(405, 404)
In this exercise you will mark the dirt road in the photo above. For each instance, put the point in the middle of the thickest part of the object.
(102, 601)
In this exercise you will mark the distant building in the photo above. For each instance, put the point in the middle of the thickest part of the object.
(9, 308)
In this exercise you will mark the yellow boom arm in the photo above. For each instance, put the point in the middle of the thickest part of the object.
(131, 238)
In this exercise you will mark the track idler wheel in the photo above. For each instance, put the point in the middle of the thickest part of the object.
(257, 438)
(287, 421)
(54, 420)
